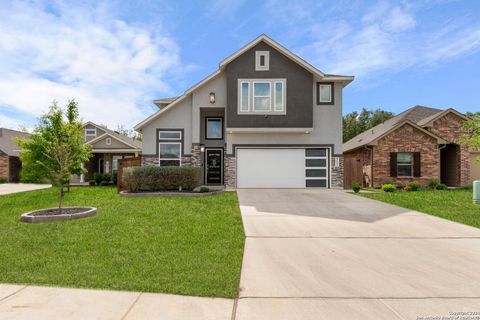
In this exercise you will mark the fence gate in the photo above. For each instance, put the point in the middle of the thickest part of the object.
(353, 171)
(125, 163)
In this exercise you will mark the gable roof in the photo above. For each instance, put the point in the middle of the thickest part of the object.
(233, 56)
(133, 143)
(7, 141)
(415, 116)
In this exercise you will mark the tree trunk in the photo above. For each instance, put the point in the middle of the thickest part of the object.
(60, 197)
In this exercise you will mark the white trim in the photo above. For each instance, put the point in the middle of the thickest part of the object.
(405, 165)
(108, 141)
(258, 55)
(284, 96)
(269, 130)
(172, 159)
(170, 131)
(206, 164)
(269, 96)
(252, 96)
(90, 135)
(111, 136)
(240, 96)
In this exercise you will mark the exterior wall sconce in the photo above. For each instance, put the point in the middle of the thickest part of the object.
(202, 148)
(212, 97)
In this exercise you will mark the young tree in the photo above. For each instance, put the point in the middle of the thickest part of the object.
(355, 123)
(472, 134)
(56, 149)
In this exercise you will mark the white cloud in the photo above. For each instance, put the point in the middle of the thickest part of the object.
(111, 68)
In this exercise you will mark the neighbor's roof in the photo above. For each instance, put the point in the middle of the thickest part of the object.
(226, 61)
(135, 144)
(418, 116)
(7, 141)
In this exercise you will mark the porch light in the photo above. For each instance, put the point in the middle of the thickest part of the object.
(202, 148)
(212, 97)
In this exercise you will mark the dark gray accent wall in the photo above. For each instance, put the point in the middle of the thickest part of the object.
(299, 91)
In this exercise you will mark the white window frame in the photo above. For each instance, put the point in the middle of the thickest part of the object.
(320, 85)
(108, 141)
(266, 55)
(91, 135)
(170, 131)
(284, 96)
(171, 159)
(405, 165)
(251, 96)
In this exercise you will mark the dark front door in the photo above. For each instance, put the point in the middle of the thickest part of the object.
(214, 166)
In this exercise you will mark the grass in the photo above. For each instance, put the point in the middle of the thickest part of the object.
(178, 245)
(454, 205)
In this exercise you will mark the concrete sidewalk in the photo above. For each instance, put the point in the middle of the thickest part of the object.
(326, 254)
(46, 303)
(8, 188)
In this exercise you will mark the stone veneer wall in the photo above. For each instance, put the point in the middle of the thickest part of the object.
(450, 128)
(230, 171)
(406, 139)
(337, 172)
(4, 170)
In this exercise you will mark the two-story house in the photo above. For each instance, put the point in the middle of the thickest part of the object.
(264, 119)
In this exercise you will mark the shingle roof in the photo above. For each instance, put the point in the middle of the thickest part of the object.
(7, 141)
(415, 114)
(121, 137)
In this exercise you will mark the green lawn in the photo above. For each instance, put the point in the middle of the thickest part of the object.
(179, 245)
(455, 205)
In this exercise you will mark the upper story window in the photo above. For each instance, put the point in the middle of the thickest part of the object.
(214, 128)
(262, 60)
(262, 96)
(108, 141)
(90, 132)
(170, 135)
(325, 93)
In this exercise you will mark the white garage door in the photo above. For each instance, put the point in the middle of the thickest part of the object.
(282, 168)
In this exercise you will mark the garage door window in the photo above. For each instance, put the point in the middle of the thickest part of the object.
(316, 167)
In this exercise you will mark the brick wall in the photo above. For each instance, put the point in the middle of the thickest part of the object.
(4, 170)
(406, 139)
(449, 127)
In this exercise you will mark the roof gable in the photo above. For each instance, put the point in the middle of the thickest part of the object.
(132, 143)
(8, 145)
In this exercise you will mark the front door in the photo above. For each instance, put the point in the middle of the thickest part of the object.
(214, 166)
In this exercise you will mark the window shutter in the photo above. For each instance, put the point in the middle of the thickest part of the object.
(417, 164)
(393, 164)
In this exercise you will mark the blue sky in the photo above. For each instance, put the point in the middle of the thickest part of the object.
(115, 57)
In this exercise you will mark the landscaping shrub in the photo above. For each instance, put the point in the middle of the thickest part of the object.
(388, 187)
(442, 186)
(356, 187)
(101, 177)
(414, 186)
(432, 184)
(153, 178)
(104, 183)
(400, 186)
(204, 189)
(3, 180)
(114, 178)
(92, 182)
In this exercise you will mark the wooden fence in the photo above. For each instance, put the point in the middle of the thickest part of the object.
(125, 163)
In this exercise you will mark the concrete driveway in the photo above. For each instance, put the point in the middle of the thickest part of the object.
(8, 188)
(326, 254)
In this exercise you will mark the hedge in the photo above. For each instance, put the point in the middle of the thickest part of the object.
(154, 178)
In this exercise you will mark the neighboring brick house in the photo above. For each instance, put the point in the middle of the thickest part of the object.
(419, 144)
(10, 164)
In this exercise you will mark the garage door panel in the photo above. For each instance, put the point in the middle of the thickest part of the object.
(271, 168)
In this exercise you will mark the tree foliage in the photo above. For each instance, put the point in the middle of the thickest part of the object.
(56, 149)
(472, 135)
(355, 123)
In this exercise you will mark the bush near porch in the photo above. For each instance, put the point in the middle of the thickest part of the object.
(178, 245)
(154, 178)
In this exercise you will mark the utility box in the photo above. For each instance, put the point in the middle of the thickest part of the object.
(476, 192)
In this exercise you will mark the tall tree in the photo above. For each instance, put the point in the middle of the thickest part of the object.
(57, 148)
(355, 123)
(472, 135)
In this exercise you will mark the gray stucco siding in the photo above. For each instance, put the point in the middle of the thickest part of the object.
(299, 91)
(178, 117)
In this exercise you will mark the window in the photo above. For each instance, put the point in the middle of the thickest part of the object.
(214, 128)
(115, 163)
(316, 167)
(108, 141)
(262, 60)
(90, 132)
(262, 96)
(324, 93)
(170, 153)
(170, 135)
(404, 164)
